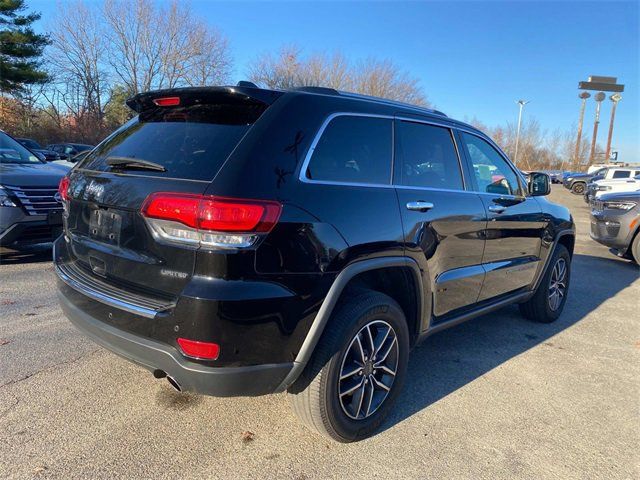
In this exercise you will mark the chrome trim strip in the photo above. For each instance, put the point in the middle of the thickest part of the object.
(460, 273)
(307, 159)
(102, 298)
(302, 176)
(516, 170)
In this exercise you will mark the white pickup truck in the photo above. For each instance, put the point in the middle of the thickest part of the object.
(616, 185)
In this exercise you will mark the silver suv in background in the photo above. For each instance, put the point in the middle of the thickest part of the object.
(615, 222)
(30, 210)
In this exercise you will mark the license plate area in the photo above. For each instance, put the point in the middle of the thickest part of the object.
(105, 225)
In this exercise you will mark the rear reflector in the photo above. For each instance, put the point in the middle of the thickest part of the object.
(167, 101)
(200, 350)
(209, 220)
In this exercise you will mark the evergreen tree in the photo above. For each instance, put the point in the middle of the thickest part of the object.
(20, 48)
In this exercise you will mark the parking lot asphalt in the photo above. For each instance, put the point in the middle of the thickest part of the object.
(497, 397)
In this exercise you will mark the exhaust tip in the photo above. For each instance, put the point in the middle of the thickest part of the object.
(174, 383)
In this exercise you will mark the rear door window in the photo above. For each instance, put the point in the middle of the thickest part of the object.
(353, 149)
(189, 142)
(425, 156)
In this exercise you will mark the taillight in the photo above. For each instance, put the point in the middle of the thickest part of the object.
(209, 221)
(63, 189)
(200, 350)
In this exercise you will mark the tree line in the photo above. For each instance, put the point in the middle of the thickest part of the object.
(72, 83)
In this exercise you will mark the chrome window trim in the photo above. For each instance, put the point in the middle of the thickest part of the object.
(467, 188)
(302, 176)
(307, 159)
(521, 180)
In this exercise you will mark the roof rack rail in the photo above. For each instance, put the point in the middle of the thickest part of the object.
(386, 101)
(246, 83)
(320, 90)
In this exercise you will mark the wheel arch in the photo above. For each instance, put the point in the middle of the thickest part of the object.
(365, 274)
(567, 238)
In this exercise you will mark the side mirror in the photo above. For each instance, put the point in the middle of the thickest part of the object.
(40, 156)
(539, 184)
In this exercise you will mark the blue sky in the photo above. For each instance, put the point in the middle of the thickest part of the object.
(472, 58)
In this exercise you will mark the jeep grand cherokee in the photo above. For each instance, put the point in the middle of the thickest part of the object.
(243, 241)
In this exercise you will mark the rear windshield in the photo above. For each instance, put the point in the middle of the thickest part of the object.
(189, 142)
(30, 143)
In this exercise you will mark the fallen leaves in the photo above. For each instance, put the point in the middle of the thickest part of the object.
(39, 470)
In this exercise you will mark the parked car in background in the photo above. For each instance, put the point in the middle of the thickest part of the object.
(30, 211)
(598, 166)
(615, 222)
(49, 155)
(577, 183)
(70, 162)
(554, 175)
(591, 187)
(69, 150)
(245, 241)
(602, 187)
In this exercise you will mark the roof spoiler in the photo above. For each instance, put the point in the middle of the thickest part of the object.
(241, 94)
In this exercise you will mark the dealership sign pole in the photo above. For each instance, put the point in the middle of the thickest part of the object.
(615, 98)
(576, 158)
(600, 96)
(603, 84)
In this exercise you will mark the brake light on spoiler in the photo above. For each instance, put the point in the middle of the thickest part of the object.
(209, 221)
(167, 101)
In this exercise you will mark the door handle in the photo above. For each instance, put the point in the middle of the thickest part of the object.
(420, 206)
(497, 208)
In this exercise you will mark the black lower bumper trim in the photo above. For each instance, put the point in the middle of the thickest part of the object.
(215, 381)
(29, 233)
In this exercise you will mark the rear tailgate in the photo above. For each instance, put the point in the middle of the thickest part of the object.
(189, 140)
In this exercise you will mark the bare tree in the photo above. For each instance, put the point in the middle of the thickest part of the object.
(290, 68)
(76, 56)
(155, 46)
(211, 62)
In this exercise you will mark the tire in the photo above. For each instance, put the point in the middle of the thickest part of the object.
(578, 188)
(315, 396)
(541, 308)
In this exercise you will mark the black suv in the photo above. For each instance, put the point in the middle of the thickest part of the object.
(49, 155)
(243, 241)
(69, 150)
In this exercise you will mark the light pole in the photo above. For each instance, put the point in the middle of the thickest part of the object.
(615, 98)
(576, 157)
(600, 96)
(522, 103)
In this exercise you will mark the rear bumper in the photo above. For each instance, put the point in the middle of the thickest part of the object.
(194, 377)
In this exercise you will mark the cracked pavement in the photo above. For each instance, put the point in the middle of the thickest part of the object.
(497, 397)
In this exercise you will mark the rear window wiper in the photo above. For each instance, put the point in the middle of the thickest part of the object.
(134, 164)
